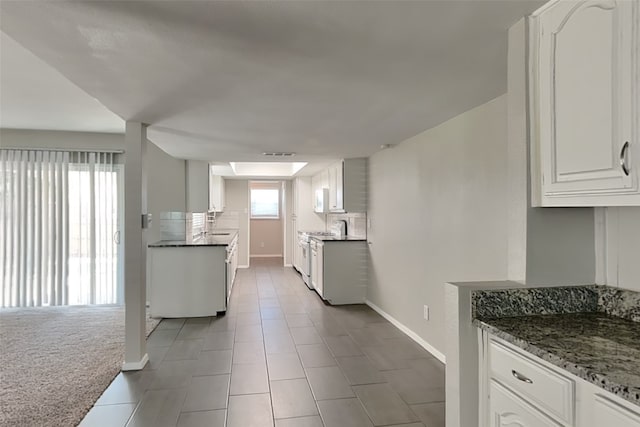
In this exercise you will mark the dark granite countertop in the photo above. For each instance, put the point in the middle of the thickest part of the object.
(339, 239)
(217, 238)
(597, 347)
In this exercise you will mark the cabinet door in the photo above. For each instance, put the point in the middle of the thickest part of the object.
(320, 270)
(508, 410)
(585, 59)
(609, 413)
(314, 268)
(339, 173)
(333, 189)
(216, 193)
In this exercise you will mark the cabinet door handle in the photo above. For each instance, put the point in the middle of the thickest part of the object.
(623, 158)
(521, 377)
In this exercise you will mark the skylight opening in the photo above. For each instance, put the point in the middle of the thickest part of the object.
(266, 169)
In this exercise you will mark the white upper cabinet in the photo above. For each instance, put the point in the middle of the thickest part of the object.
(584, 97)
(348, 185)
(217, 201)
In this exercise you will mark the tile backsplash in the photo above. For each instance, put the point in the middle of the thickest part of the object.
(181, 225)
(356, 223)
(173, 225)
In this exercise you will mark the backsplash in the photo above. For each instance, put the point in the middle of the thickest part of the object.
(619, 302)
(181, 225)
(229, 219)
(356, 223)
(196, 223)
(487, 304)
(173, 225)
(491, 304)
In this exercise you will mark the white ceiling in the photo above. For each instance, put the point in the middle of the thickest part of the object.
(33, 95)
(226, 81)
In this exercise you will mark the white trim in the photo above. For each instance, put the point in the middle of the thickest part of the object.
(266, 256)
(288, 265)
(431, 349)
(243, 266)
(136, 366)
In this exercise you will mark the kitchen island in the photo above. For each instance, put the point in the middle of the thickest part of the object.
(192, 277)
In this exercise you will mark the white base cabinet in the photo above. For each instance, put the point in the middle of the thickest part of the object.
(339, 271)
(518, 389)
(187, 281)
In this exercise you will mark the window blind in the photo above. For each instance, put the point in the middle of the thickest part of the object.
(59, 219)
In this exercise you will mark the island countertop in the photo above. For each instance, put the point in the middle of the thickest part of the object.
(597, 347)
(339, 239)
(221, 237)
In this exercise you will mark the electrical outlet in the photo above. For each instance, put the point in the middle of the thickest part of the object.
(262, 244)
(426, 312)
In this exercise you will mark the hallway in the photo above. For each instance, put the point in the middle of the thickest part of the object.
(281, 357)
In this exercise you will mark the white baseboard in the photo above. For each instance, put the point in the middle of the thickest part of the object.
(243, 266)
(288, 265)
(266, 256)
(431, 349)
(136, 366)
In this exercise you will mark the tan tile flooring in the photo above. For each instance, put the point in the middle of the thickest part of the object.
(279, 357)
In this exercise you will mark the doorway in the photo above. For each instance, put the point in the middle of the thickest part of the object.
(266, 220)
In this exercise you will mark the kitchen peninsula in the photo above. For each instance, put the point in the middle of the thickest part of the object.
(192, 277)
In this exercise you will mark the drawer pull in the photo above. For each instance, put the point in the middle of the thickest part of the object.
(521, 377)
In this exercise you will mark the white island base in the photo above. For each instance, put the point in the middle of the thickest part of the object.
(187, 281)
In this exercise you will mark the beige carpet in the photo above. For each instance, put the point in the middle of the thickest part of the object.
(56, 361)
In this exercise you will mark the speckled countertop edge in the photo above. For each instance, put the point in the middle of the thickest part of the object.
(338, 239)
(586, 374)
(204, 241)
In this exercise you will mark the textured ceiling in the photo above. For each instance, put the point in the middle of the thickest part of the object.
(225, 81)
(33, 95)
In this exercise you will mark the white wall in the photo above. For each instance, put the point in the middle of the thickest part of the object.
(165, 187)
(620, 240)
(546, 246)
(236, 215)
(438, 210)
(289, 238)
(49, 139)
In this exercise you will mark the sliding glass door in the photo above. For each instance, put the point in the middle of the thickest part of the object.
(60, 230)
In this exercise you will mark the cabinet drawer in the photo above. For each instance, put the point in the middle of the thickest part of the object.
(548, 390)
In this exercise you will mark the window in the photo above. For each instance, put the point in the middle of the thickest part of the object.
(265, 203)
(59, 228)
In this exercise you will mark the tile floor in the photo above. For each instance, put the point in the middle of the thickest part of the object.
(279, 357)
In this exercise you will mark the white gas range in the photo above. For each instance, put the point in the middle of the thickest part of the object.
(338, 228)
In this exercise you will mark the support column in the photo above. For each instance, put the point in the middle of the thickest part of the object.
(135, 251)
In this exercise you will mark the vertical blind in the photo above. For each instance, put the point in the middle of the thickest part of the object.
(58, 228)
